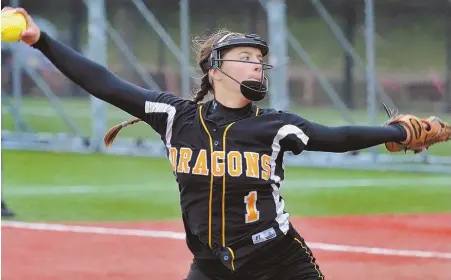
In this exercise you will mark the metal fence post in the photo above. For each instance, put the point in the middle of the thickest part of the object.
(278, 81)
(97, 52)
(184, 43)
(16, 74)
(370, 68)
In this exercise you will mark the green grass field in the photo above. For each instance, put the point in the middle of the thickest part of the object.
(42, 186)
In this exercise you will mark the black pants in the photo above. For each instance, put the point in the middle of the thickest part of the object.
(287, 259)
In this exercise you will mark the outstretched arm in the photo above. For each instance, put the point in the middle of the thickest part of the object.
(92, 77)
(400, 133)
(349, 138)
(95, 78)
(312, 136)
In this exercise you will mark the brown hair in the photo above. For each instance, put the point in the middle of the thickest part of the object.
(202, 46)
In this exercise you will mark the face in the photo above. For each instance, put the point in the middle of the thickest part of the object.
(238, 70)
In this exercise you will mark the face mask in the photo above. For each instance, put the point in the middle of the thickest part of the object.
(250, 89)
(254, 90)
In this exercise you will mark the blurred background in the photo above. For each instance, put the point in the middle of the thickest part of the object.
(335, 62)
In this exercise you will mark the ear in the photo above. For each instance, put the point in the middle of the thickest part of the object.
(215, 74)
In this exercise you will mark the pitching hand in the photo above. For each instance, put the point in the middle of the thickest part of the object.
(32, 33)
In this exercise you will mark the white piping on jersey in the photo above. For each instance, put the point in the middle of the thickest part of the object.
(155, 107)
(281, 218)
(283, 132)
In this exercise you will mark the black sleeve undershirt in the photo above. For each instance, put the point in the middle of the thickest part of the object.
(312, 136)
(350, 138)
(96, 79)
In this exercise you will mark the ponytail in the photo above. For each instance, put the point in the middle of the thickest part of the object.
(114, 131)
(205, 87)
(199, 95)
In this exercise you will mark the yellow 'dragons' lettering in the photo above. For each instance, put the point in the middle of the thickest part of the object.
(217, 163)
(200, 168)
(173, 157)
(252, 168)
(234, 162)
(266, 167)
(185, 157)
(256, 166)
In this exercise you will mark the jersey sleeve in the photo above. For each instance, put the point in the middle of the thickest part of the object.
(295, 132)
(163, 109)
(154, 107)
(311, 136)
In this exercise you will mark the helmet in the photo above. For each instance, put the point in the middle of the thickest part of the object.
(252, 90)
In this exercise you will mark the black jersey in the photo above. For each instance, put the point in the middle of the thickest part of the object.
(228, 164)
(229, 174)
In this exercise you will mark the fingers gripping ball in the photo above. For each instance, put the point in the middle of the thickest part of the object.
(13, 24)
(422, 133)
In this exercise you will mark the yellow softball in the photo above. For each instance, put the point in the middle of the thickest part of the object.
(13, 24)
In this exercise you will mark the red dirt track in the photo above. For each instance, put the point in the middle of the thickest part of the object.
(36, 254)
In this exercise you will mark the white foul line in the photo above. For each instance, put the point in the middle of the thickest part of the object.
(181, 236)
(96, 230)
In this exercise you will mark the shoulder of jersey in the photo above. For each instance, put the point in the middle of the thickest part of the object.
(266, 111)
